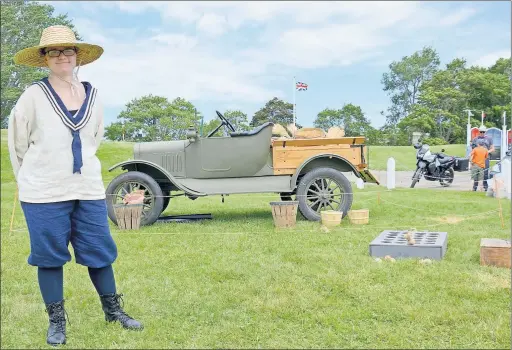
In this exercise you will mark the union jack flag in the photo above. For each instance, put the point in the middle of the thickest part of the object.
(301, 86)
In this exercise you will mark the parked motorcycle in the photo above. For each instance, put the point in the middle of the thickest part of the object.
(433, 166)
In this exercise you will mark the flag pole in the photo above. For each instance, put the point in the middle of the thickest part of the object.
(294, 105)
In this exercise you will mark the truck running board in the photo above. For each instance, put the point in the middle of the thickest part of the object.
(184, 218)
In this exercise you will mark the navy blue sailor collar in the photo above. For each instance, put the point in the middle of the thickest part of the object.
(82, 116)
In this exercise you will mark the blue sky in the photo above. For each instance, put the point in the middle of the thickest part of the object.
(239, 55)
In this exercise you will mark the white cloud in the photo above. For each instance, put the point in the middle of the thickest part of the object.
(238, 13)
(212, 24)
(457, 17)
(178, 66)
(294, 35)
(332, 45)
(490, 58)
(175, 41)
(92, 30)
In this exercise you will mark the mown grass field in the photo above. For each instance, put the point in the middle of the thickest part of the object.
(405, 156)
(236, 282)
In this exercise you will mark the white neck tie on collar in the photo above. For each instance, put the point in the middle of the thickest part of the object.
(74, 84)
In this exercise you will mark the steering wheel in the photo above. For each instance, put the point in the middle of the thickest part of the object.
(225, 121)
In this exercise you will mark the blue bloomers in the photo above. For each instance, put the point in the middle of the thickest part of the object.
(83, 222)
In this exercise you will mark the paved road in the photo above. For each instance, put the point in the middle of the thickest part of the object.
(461, 181)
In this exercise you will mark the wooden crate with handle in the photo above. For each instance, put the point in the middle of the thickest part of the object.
(495, 252)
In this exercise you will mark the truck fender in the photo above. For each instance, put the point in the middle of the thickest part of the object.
(151, 168)
(326, 160)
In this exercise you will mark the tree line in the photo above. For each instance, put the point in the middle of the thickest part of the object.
(424, 97)
(427, 98)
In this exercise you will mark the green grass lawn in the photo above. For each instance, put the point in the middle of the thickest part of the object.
(236, 282)
(405, 156)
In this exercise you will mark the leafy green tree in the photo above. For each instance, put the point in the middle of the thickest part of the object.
(183, 114)
(502, 66)
(22, 24)
(154, 118)
(328, 118)
(276, 111)
(115, 131)
(404, 80)
(442, 100)
(488, 90)
(391, 136)
(440, 105)
(349, 117)
(236, 117)
(211, 125)
(376, 137)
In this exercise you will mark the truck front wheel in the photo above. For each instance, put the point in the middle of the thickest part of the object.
(135, 180)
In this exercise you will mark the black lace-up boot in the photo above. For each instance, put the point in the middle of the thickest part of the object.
(114, 312)
(57, 329)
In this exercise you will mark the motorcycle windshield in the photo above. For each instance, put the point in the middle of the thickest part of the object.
(423, 150)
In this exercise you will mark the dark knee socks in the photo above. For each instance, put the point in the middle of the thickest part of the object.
(51, 284)
(484, 183)
(103, 279)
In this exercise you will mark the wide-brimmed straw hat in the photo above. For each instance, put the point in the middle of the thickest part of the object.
(57, 36)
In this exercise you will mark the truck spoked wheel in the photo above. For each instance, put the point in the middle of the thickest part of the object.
(324, 189)
(131, 181)
(166, 199)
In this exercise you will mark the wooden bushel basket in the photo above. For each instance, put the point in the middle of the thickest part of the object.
(128, 216)
(284, 213)
(359, 217)
(331, 218)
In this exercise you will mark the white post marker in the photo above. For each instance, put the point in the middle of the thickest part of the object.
(506, 175)
(390, 176)
(360, 183)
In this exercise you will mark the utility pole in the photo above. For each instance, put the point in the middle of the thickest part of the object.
(468, 127)
(504, 137)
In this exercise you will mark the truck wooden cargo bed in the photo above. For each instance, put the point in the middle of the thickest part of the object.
(288, 154)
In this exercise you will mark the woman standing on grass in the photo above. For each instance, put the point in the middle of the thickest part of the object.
(54, 132)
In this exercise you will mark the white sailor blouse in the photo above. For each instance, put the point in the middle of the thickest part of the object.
(53, 152)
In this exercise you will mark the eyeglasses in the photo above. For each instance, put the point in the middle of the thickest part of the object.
(56, 53)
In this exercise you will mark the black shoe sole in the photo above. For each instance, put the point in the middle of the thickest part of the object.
(125, 327)
(56, 344)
